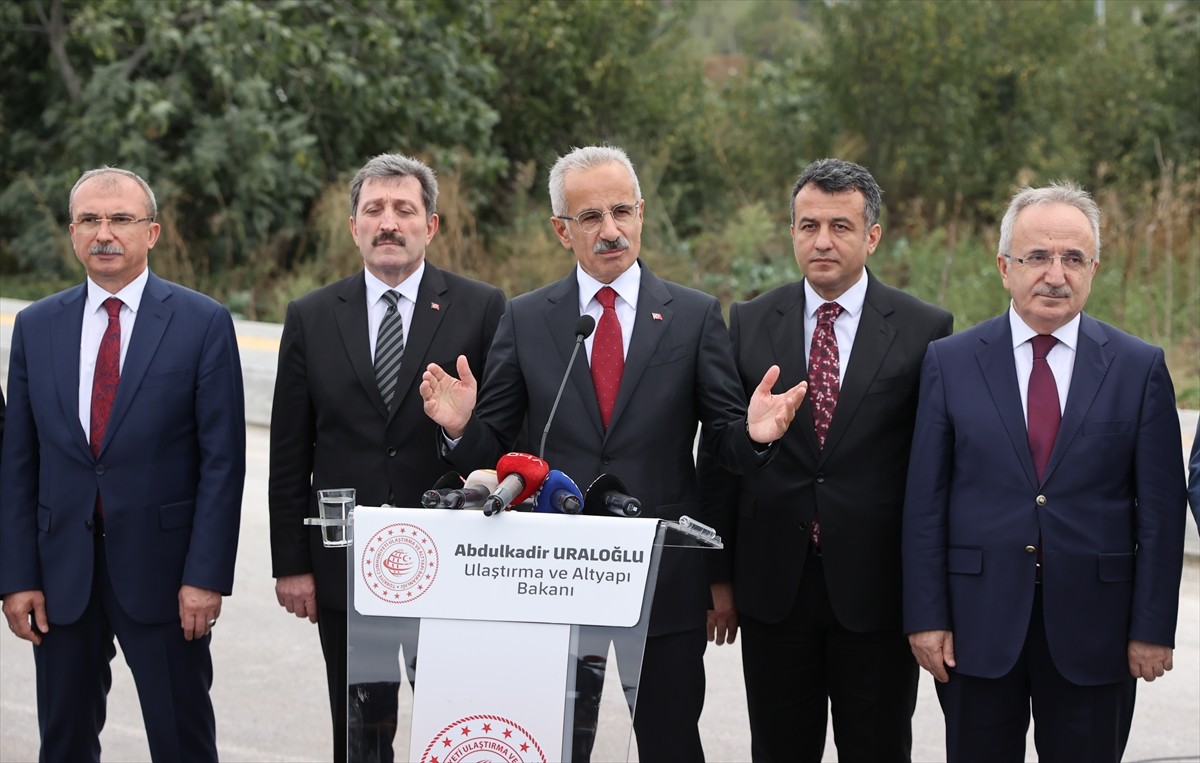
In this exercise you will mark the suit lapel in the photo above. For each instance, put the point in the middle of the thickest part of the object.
(787, 343)
(649, 327)
(995, 357)
(153, 316)
(66, 331)
(433, 303)
(1092, 360)
(563, 312)
(872, 341)
(350, 313)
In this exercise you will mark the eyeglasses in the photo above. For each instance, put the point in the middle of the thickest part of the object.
(1072, 261)
(590, 220)
(89, 223)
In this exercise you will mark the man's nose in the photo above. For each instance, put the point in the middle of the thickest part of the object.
(608, 228)
(1056, 273)
(824, 240)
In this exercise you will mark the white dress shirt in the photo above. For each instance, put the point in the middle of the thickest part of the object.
(377, 306)
(627, 285)
(844, 328)
(95, 323)
(1061, 357)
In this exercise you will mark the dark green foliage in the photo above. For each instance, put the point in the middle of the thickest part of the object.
(248, 117)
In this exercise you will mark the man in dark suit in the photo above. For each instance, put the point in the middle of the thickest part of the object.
(672, 370)
(813, 540)
(1044, 516)
(331, 426)
(121, 484)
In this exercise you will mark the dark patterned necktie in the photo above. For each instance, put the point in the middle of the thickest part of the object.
(608, 355)
(107, 374)
(823, 384)
(1044, 413)
(389, 348)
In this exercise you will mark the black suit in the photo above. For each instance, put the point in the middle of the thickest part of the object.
(678, 373)
(851, 592)
(330, 428)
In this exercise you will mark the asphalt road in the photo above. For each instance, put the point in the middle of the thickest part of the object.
(270, 696)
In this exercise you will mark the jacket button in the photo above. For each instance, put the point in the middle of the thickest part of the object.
(1041, 500)
(1031, 549)
(391, 452)
(87, 525)
(606, 460)
(99, 468)
(804, 527)
(820, 478)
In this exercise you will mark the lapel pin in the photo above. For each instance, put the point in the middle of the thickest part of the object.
(656, 316)
(435, 306)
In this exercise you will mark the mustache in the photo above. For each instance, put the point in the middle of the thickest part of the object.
(602, 246)
(1053, 291)
(389, 238)
(106, 249)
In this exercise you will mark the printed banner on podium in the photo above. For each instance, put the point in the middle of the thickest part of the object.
(499, 696)
(462, 565)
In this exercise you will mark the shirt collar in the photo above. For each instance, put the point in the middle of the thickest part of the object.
(625, 285)
(851, 299)
(407, 288)
(1067, 334)
(131, 294)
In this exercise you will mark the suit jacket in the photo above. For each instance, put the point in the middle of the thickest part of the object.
(1194, 476)
(170, 470)
(855, 484)
(329, 426)
(678, 373)
(1110, 508)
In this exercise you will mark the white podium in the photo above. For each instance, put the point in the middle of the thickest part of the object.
(515, 614)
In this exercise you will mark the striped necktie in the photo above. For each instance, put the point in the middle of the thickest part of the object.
(389, 348)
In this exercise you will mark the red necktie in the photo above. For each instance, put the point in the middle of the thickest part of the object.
(608, 355)
(108, 374)
(105, 380)
(1044, 414)
(823, 383)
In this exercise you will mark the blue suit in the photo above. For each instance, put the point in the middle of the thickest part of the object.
(1194, 476)
(170, 474)
(1109, 510)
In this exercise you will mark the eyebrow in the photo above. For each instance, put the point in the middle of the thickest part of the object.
(1042, 250)
(808, 219)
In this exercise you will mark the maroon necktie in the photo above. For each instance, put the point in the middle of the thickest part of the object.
(108, 374)
(105, 380)
(823, 384)
(1043, 412)
(608, 356)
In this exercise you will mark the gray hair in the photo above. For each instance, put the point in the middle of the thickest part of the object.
(151, 203)
(1062, 192)
(837, 175)
(582, 159)
(397, 166)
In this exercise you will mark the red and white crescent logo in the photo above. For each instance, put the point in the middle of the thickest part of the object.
(399, 563)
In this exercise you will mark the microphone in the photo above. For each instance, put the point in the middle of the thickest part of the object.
(607, 496)
(478, 486)
(583, 329)
(559, 495)
(520, 476)
(435, 497)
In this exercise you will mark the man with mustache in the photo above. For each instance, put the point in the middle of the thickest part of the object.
(346, 413)
(811, 567)
(1044, 514)
(659, 364)
(121, 483)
